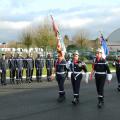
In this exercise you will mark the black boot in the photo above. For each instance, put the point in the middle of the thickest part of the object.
(4, 83)
(75, 101)
(118, 88)
(21, 80)
(48, 79)
(40, 79)
(17, 82)
(61, 98)
(13, 81)
(100, 102)
(29, 81)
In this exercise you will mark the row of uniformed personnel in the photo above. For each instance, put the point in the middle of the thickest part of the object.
(17, 64)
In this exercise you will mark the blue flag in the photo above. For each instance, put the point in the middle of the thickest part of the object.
(104, 46)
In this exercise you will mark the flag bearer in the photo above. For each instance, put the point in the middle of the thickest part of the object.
(60, 69)
(101, 70)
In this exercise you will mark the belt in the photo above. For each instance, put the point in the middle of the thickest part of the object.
(77, 72)
(60, 73)
(100, 72)
(101, 63)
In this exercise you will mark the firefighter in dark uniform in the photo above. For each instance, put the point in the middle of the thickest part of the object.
(101, 69)
(60, 69)
(117, 66)
(31, 55)
(29, 64)
(76, 76)
(19, 64)
(11, 65)
(49, 66)
(39, 65)
(3, 68)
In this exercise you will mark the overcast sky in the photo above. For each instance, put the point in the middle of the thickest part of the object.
(93, 15)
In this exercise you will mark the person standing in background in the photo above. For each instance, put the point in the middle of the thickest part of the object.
(3, 68)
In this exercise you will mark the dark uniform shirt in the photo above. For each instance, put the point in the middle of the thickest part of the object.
(49, 63)
(3, 64)
(39, 62)
(19, 63)
(60, 66)
(29, 63)
(78, 66)
(101, 66)
(11, 63)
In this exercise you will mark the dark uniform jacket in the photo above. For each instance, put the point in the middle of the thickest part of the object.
(19, 64)
(101, 66)
(29, 63)
(3, 65)
(60, 67)
(49, 63)
(11, 63)
(78, 67)
(39, 62)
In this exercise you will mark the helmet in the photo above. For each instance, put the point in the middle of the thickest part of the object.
(99, 50)
(76, 53)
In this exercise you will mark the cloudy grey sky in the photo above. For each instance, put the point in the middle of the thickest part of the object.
(72, 15)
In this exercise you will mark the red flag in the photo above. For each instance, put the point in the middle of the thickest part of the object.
(55, 28)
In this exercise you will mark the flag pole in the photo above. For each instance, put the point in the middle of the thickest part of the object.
(60, 43)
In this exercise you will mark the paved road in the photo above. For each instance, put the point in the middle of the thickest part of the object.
(38, 102)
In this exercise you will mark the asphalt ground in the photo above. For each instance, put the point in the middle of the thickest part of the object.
(38, 101)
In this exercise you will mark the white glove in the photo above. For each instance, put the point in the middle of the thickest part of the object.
(68, 64)
(79, 64)
(113, 63)
(0, 71)
(109, 77)
(69, 74)
(86, 77)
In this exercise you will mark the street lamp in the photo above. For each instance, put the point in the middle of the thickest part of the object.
(4, 44)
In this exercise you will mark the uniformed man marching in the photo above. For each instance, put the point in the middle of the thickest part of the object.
(76, 76)
(3, 68)
(101, 69)
(49, 66)
(19, 64)
(117, 65)
(60, 68)
(11, 64)
(39, 65)
(29, 65)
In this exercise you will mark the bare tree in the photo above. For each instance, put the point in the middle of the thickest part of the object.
(66, 40)
(44, 36)
(27, 38)
(81, 38)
